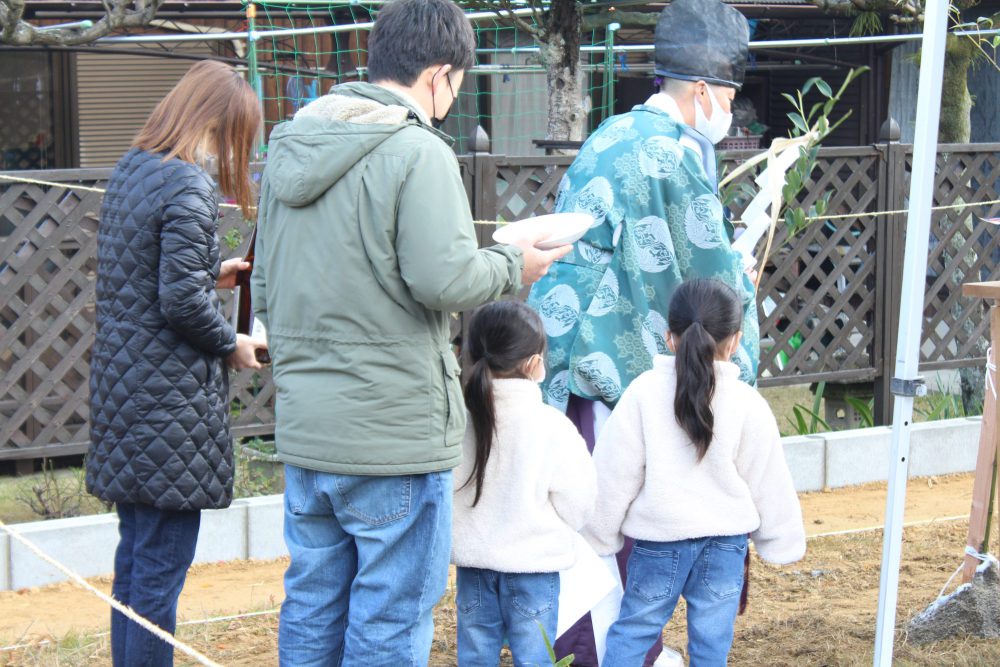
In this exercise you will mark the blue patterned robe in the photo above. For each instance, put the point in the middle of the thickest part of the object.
(658, 222)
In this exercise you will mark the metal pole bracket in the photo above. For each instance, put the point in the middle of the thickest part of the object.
(915, 387)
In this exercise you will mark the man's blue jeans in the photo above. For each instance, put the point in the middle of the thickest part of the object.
(493, 605)
(154, 552)
(369, 560)
(707, 571)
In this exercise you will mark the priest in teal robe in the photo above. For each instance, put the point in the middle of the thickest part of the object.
(648, 178)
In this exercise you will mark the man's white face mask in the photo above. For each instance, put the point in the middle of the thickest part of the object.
(717, 127)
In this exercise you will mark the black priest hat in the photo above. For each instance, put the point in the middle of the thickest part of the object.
(702, 40)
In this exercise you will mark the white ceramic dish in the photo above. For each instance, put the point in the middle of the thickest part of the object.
(562, 229)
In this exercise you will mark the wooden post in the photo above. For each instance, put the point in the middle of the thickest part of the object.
(988, 440)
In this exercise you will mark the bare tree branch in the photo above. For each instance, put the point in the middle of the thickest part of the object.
(898, 10)
(118, 14)
(505, 12)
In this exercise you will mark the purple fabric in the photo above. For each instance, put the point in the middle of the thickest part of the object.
(579, 639)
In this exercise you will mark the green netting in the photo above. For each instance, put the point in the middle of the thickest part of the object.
(505, 93)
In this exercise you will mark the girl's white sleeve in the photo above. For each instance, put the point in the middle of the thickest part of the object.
(573, 485)
(620, 459)
(760, 461)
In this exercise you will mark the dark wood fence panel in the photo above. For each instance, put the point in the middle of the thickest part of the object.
(963, 248)
(48, 253)
(829, 296)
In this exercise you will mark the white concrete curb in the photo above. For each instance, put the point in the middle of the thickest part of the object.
(252, 528)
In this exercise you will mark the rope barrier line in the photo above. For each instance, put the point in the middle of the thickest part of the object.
(197, 621)
(872, 529)
(839, 216)
(115, 604)
(270, 612)
(70, 186)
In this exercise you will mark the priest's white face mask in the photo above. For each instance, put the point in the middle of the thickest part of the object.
(715, 127)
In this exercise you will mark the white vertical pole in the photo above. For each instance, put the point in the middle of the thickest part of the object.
(911, 315)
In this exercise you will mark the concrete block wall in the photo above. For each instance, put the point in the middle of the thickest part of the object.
(859, 456)
(249, 529)
(252, 528)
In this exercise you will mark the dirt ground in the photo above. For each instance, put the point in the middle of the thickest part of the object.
(817, 612)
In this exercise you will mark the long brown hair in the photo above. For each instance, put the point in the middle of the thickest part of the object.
(502, 336)
(703, 313)
(211, 101)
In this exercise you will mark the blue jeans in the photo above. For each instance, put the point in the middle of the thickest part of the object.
(493, 605)
(154, 552)
(369, 560)
(707, 571)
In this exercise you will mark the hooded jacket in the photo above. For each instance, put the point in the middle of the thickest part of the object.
(365, 247)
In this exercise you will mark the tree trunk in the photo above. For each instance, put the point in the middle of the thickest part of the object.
(560, 55)
(956, 102)
(955, 128)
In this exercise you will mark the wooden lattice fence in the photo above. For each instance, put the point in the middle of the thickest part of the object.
(829, 297)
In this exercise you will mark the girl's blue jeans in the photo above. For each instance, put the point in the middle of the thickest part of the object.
(493, 605)
(707, 571)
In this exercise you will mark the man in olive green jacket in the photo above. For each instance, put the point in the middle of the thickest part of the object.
(365, 247)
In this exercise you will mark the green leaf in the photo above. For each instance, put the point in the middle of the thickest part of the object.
(233, 238)
(794, 179)
(809, 84)
(799, 122)
(824, 88)
(865, 410)
(817, 397)
(799, 424)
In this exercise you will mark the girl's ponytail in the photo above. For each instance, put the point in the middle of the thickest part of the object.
(703, 313)
(696, 385)
(501, 337)
(482, 414)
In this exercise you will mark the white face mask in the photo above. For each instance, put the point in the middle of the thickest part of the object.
(717, 127)
(539, 374)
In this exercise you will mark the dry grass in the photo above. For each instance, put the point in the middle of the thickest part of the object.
(818, 612)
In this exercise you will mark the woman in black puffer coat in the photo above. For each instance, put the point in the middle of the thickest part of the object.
(160, 443)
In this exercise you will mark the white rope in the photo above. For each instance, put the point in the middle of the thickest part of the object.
(947, 583)
(841, 216)
(197, 621)
(969, 551)
(872, 529)
(76, 578)
(991, 369)
(70, 186)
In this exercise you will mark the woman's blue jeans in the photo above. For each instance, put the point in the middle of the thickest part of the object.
(707, 571)
(154, 552)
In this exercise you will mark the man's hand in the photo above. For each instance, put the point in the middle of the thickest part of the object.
(244, 356)
(537, 262)
(227, 274)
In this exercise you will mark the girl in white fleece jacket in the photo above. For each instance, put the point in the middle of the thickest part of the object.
(525, 486)
(689, 463)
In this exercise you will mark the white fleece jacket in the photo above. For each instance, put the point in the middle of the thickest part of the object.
(651, 485)
(539, 488)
